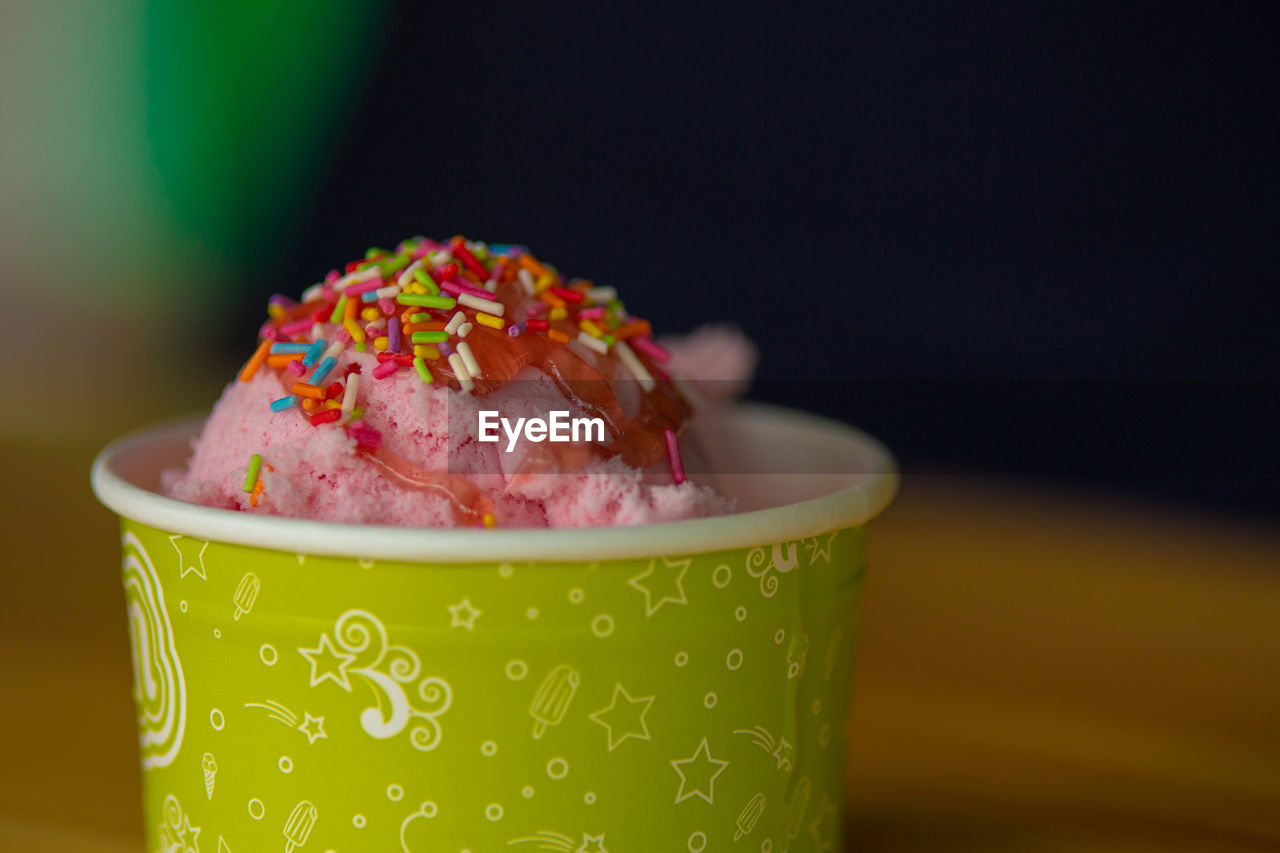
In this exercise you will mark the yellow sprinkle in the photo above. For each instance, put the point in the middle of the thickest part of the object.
(426, 351)
(415, 287)
(489, 520)
(354, 330)
(333, 404)
(543, 283)
(558, 313)
(489, 320)
(591, 329)
(370, 314)
(381, 344)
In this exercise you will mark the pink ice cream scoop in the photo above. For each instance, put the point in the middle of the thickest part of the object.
(431, 386)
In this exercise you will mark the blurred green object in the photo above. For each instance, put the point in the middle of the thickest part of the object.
(242, 99)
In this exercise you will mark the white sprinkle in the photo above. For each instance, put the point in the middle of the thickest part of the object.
(454, 322)
(601, 294)
(464, 330)
(460, 372)
(691, 394)
(638, 370)
(350, 392)
(442, 257)
(491, 285)
(593, 343)
(497, 309)
(391, 291)
(312, 292)
(469, 359)
(335, 349)
(356, 277)
(407, 276)
(317, 331)
(526, 279)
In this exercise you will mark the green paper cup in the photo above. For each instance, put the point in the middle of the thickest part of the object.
(338, 688)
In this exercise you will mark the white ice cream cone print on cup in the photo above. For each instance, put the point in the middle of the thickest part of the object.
(660, 686)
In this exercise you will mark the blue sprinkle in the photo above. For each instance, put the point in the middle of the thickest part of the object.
(369, 296)
(314, 353)
(277, 349)
(284, 403)
(323, 370)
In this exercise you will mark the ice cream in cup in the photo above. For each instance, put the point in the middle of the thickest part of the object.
(455, 664)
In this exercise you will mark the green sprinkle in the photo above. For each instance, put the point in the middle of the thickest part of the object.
(423, 278)
(421, 367)
(251, 476)
(359, 346)
(357, 413)
(373, 252)
(336, 316)
(366, 265)
(426, 301)
(394, 265)
(429, 337)
(610, 340)
(481, 252)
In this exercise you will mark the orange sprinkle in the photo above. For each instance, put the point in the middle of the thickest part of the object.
(349, 312)
(551, 299)
(557, 336)
(255, 361)
(631, 330)
(281, 359)
(302, 389)
(530, 263)
(410, 328)
(309, 404)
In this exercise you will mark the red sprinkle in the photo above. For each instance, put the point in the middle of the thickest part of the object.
(461, 251)
(334, 389)
(536, 325)
(566, 294)
(398, 357)
(449, 271)
(351, 368)
(328, 416)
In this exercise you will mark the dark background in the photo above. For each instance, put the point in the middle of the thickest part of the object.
(1025, 238)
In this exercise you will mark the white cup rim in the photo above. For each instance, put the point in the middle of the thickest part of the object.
(867, 493)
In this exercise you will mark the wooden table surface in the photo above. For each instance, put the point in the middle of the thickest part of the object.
(1038, 671)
